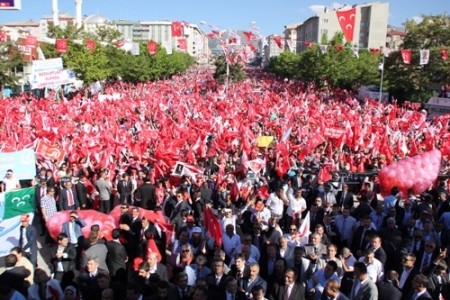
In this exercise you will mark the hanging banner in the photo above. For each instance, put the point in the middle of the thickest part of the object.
(424, 57)
(47, 65)
(21, 162)
(31, 41)
(10, 4)
(2, 36)
(182, 45)
(90, 45)
(177, 30)
(444, 53)
(347, 21)
(39, 80)
(406, 55)
(152, 48)
(49, 151)
(61, 45)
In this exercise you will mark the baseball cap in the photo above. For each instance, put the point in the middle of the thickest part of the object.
(196, 230)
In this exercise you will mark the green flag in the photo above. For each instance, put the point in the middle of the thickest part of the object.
(16, 203)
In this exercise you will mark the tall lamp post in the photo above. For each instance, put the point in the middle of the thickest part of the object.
(381, 67)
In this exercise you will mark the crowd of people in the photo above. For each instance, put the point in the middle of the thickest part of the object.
(362, 245)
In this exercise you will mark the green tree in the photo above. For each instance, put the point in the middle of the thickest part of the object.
(236, 71)
(287, 64)
(10, 58)
(414, 82)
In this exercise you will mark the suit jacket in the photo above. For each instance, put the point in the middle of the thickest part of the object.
(380, 254)
(387, 290)
(367, 291)
(419, 257)
(146, 193)
(408, 282)
(82, 193)
(318, 218)
(116, 257)
(336, 238)
(358, 241)
(304, 270)
(297, 292)
(31, 235)
(445, 207)
(198, 209)
(258, 281)
(98, 250)
(68, 262)
(63, 202)
(78, 224)
(340, 296)
(211, 283)
(425, 296)
(15, 278)
(124, 188)
(86, 283)
(37, 195)
(205, 195)
(347, 200)
(222, 295)
(174, 293)
(233, 273)
(161, 270)
(321, 250)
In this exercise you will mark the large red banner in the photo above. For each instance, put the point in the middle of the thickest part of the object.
(49, 151)
(347, 21)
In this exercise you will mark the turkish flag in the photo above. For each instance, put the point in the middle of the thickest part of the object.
(444, 53)
(31, 41)
(347, 21)
(152, 48)
(406, 55)
(374, 51)
(339, 48)
(90, 45)
(182, 44)
(49, 151)
(277, 40)
(212, 225)
(308, 44)
(61, 45)
(234, 192)
(2, 36)
(177, 29)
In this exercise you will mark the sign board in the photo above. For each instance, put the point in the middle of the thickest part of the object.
(10, 4)
(333, 133)
(39, 80)
(21, 162)
(46, 65)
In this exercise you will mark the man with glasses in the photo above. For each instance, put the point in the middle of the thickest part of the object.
(9, 182)
(407, 273)
(72, 229)
(292, 237)
(426, 256)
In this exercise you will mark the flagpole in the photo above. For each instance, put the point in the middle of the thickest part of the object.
(381, 80)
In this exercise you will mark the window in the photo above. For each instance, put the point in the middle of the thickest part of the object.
(323, 31)
(362, 24)
(361, 45)
(361, 34)
(324, 21)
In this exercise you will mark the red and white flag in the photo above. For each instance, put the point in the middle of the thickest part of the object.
(177, 30)
(61, 45)
(444, 53)
(424, 57)
(255, 165)
(90, 45)
(49, 151)
(152, 48)
(347, 21)
(277, 40)
(212, 225)
(304, 230)
(182, 45)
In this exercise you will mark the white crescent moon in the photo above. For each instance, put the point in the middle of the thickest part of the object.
(343, 19)
(20, 204)
(349, 25)
(26, 197)
(15, 199)
(352, 16)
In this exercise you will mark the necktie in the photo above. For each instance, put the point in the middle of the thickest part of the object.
(183, 294)
(42, 289)
(70, 197)
(414, 296)
(233, 296)
(286, 293)
(326, 199)
(217, 280)
(426, 261)
(315, 250)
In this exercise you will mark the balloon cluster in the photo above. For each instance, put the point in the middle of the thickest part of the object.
(418, 172)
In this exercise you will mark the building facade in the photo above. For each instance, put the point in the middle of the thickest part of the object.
(272, 49)
(370, 26)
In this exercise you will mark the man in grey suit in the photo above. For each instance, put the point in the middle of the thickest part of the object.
(96, 249)
(363, 287)
(156, 267)
(104, 190)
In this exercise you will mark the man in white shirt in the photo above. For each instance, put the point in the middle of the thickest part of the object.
(276, 202)
(346, 225)
(373, 265)
(297, 205)
(10, 183)
(231, 242)
(320, 278)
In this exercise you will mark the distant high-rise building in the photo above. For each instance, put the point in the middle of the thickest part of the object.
(370, 29)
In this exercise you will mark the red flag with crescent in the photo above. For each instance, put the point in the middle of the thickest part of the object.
(61, 45)
(49, 151)
(347, 21)
(152, 48)
(176, 29)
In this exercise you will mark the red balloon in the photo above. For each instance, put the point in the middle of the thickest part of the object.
(91, 217)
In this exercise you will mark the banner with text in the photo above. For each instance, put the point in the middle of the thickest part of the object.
(39, 80)
(22, 163)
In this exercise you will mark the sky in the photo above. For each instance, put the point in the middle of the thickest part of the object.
(269, 15)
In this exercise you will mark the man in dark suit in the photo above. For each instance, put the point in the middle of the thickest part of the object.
(82, 192)
(316, 215)
(345, 197)
(68, 199)
(231, 291)
(14, 276)
(331, 291)
(205, 193)
(406, 274)
(331, 230)
(359, 242)
(146, 193)
(419, 292)
(124, 188)
(378, 250)
(62, 257)
(117, 256)
(387, 289)
(443, 205)
(253, 280)
(291, 290)
(156, 267)
(296, 181)
(217, 279)
(426, 256)
(181, 289)
(198, 207)
(41, 191)
(239, 269)
(363, 287)
(268, 260)
(28, 234)
(87, 279)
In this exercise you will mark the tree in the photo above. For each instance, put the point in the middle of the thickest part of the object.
(414, 82)
(236, 72)
(10, 58)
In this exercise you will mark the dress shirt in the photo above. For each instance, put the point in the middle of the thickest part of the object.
(374, 270)
(275, 204)
(295, 204)
(231, 245)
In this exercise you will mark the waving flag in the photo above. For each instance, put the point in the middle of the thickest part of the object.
(347, 21)
(176, 29)
(212, 225)
(49, 151)
(304, 230)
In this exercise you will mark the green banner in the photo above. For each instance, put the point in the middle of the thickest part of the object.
(18, 202)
